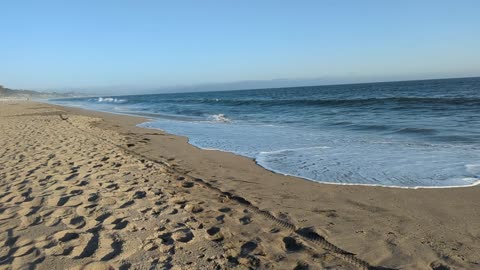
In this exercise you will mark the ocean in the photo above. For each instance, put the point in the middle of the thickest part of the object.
(402, 134)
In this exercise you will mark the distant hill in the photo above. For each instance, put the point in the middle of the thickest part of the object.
(12, 93)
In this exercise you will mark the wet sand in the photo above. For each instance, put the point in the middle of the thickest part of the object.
(82, 189)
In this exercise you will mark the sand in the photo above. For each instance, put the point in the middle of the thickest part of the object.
(90, 190)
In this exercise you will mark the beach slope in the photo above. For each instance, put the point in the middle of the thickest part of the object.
(89, 190)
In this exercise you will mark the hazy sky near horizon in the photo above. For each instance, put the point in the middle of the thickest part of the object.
(121, 45)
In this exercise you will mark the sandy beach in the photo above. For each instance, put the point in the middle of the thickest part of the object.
(89, 190)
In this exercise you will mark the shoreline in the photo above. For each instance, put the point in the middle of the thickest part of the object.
(390, 227)
(146, 120)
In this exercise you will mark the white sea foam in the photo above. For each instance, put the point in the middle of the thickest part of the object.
(110, 100)
(292, 149)
(337, 160)
(220, 118)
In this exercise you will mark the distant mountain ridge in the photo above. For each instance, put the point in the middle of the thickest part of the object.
(13, 93)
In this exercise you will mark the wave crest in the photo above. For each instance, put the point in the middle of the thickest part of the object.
(220, 118)
(109, 100)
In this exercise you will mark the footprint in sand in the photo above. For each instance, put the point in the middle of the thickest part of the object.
(225, 210)
(87, 210)
(32, 220)
(67, 243)
(291, 244)
(76, 222)
(245, 220)
(113, 222)
(248, 248)
(214, 234)
(62, 200)
(110, 247)
(301, 266)
(7, 215)
(139, 195)
(93, 197)
(24, 250)
(26, 257)
(193, 223)
(183, 235)
(187, 184)
(193, 207)
(112, 186)
(126, 204)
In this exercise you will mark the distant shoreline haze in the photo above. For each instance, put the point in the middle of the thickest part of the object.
(219, 87)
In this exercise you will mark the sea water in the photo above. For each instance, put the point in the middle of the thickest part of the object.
(403, 134)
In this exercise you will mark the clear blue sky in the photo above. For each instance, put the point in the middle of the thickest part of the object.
(142, 44)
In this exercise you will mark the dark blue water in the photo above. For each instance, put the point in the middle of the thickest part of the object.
(409, 134)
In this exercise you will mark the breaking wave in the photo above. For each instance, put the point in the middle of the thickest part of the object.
(109, 100)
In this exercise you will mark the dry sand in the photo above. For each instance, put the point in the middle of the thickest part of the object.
(89, 190)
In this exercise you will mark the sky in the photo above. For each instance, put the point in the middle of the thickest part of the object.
(130, 46)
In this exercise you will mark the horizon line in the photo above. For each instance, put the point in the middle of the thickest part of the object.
(279, 87)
